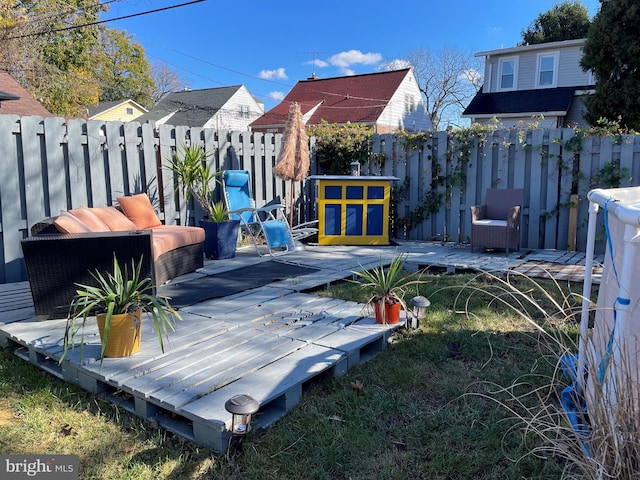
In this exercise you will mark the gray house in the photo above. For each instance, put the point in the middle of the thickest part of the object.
(223, 108)
(543, 83)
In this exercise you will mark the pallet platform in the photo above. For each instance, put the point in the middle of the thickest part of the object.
(268, 342)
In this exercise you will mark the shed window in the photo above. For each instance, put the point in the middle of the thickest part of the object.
(129, 111)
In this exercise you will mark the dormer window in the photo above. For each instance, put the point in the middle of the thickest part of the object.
(508, 73)
(547, 70)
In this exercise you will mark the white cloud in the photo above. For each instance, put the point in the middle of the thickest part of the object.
(353, 57)
(473, 76)
(317, 62)
(397, 64)
(278, 74)
(276, 95)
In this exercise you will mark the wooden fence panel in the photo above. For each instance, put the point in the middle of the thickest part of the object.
(53, 164)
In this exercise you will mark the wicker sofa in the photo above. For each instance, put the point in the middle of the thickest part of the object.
(62, 252)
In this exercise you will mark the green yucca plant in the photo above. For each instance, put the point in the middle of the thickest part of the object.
(122, 291)
(196, 176)
(219, 212)
(387, 285)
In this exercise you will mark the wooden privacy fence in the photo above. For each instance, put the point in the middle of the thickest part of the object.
(51, 164)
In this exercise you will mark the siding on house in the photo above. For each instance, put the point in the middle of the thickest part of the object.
(118, 110)
(399, 115)
(237, 112)
(569, 71)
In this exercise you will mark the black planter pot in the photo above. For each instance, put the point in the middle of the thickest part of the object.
(220, 238)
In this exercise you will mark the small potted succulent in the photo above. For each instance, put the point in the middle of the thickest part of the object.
(386, 287)
(197, 178)
(118, 300)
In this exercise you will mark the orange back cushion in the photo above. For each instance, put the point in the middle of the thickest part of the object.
(67, 223)
(89, 218)
(139, 210)
(114, 218)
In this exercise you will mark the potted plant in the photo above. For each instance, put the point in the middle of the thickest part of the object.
(221, 233)
(387, 287)
(197, 178)
(118, 301)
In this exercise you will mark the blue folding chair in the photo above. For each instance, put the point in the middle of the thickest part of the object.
(267, 226)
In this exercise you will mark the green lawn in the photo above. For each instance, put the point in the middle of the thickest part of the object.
(419, 409)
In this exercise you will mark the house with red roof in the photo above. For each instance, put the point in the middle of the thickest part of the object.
(17, 101)
(386, 101)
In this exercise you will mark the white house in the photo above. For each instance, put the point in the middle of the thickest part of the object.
(542, 83)
(223, 108)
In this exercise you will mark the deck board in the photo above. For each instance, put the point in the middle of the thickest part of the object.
(267, 342)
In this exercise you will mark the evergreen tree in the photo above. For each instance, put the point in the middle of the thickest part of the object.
(612, 53)
(565, 21)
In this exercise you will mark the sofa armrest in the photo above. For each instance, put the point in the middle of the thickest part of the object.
(55, 263)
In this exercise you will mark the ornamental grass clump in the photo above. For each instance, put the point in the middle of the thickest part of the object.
(596, 432)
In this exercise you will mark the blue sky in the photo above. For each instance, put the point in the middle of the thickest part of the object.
(269, 46)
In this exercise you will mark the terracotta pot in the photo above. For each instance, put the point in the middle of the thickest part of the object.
(124, 334)
(391, 312)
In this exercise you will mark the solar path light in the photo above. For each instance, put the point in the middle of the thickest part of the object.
(419, 305)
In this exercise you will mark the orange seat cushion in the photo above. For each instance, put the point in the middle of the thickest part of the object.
(139, 210)
(115, 219)
(170, 237)
(89, 218)
(67, 223)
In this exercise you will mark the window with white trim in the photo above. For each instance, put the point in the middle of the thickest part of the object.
(409, 103)
(508, 73)
(244, 111)
(547, 70)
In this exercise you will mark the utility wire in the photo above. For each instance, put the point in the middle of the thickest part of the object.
(97, 22)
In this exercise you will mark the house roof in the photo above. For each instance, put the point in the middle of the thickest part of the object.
(522, 101)
(17, 101)
(192, 108)
(355, 99)
(534, 47)
(106, 106)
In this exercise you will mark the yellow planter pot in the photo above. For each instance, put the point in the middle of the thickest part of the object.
(124, 333)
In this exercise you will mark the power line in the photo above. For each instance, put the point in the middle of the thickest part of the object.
(98, 22)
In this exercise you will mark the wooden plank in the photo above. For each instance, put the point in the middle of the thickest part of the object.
(12, 224)
(551, 202)
(54, 131)
(77, 145)
(98, 196)
(535, 210)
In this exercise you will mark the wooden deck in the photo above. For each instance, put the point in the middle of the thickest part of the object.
(269, 342)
